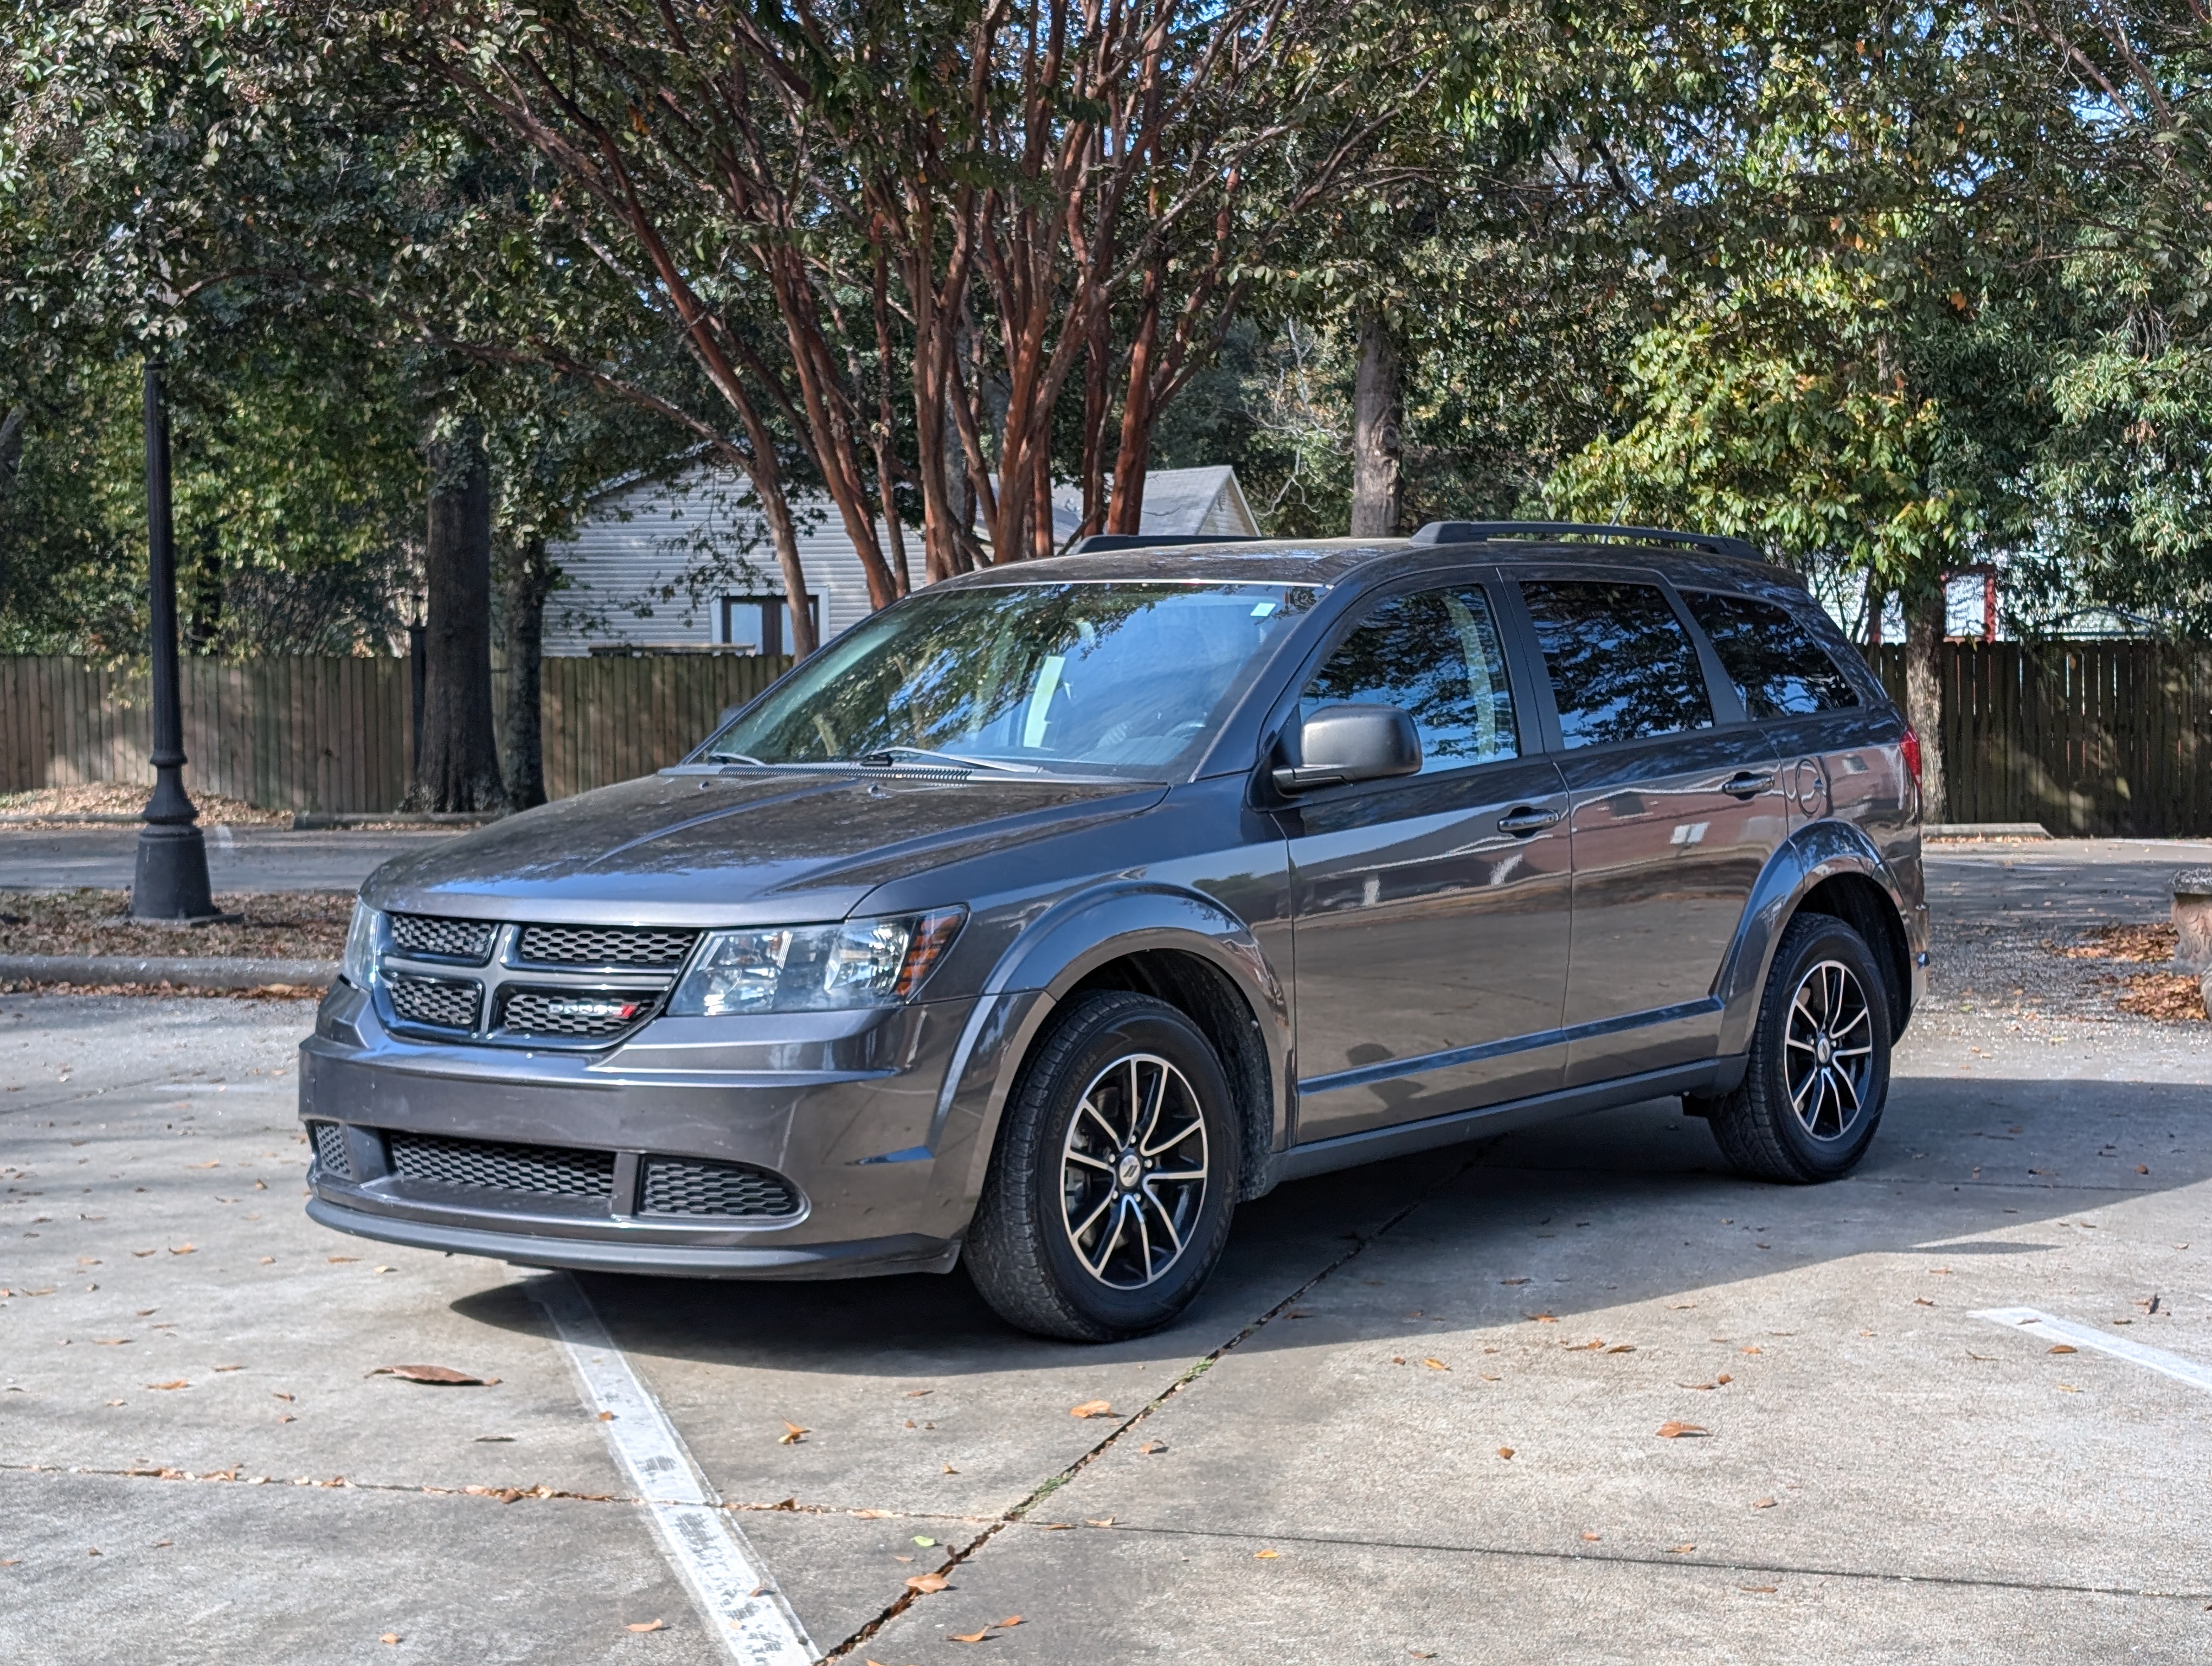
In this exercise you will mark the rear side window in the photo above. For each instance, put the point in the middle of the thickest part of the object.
(1775, 663)
(1434, 655)
(1622, 665)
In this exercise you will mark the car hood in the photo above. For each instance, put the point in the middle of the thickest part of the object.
(737, 848)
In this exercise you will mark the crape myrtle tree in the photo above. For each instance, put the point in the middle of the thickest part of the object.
(901, 234)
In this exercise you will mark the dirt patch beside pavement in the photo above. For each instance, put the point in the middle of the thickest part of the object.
(127, 799)
(278, 925)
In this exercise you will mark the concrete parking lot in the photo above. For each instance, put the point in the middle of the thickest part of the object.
(1417, 1415)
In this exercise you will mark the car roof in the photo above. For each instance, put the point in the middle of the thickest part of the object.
(1329, 561)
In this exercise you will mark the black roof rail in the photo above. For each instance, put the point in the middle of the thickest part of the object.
(1097, 542)
(1479, 531)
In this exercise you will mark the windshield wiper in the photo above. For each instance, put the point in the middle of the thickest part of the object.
(735, 757)
(890, 755)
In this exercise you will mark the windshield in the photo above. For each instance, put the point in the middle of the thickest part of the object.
(1109, 677)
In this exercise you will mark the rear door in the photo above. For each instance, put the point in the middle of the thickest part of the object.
(1430, 911)
(1674, 803)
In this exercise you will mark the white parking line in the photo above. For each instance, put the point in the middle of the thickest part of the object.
(701, 1539)
(2088, 1336)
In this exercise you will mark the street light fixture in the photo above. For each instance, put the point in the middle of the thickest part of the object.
(172, 877)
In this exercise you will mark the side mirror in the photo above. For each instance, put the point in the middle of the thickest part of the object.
(1338, 744)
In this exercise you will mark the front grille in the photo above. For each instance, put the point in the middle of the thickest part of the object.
(603, 946)
(447, 939)
(681, 1186)
(575, 1012)
(547, 1170)
(447, 1003)
(331, 1150)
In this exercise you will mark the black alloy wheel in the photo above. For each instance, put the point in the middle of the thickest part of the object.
(1813, 1089)
(1109, 1195)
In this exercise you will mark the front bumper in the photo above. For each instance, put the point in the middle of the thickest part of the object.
(863, 1114)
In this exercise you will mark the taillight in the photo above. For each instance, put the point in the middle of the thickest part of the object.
(1911, 747)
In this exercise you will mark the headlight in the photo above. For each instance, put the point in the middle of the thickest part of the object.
(811, 969)
(358, 966)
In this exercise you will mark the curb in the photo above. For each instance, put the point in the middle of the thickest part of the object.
(1984, 830)
(322, 821)
(201, 972)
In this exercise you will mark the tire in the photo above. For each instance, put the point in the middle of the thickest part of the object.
(1805, 1113)
(1091, 1238)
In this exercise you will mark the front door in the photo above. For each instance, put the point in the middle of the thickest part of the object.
(1430, 911)
(1676, 803)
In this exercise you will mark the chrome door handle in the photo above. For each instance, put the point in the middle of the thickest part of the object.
(1524, 821)
(1745, 784)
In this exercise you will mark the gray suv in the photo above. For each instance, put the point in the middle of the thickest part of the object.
(1042, 918)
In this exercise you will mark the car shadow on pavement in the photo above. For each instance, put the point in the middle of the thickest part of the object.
(1594, 1213)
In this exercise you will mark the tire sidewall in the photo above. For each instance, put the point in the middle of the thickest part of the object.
(1054, 1099)
(1813, 938)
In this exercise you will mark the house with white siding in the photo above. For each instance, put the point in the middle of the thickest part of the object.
(686, 563)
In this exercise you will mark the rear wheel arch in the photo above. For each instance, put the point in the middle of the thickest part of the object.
(1860, 903)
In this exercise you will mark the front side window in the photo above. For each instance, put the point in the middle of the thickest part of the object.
(1114, 678)
(1774, 661)
(1622, 666)
(1434, 655)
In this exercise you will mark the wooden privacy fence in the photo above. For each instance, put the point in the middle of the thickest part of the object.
(2086, 737)
(2089, 739)
(335, 734)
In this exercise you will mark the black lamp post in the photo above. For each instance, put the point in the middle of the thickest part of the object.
(172, 880)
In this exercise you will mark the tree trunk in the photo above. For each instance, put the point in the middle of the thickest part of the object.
(11, 461)
(529, 578)
(1924, 624)
(1375, 420)
(457, 768)
(1125, 510)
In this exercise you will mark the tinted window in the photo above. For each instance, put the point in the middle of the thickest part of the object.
(1774, 661)
(1434, 655)
(1622, 665)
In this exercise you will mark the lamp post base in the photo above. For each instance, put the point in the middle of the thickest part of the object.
(172, 878)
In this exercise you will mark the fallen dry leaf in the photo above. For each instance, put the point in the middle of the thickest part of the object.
(1513, 1281)
(1100, 1521)
(1680, 1550)
(112, 1342)
(1622, 1348)
(606, 1417)
(1590, 1347)
(1922, 1301)
(1093, 1408)
(793, 1433)
(1265, 1555)
(1762, 1504)
(336, 1260)
(203, 1165)
(181, 1249)
(441, 1375)
(1671, 1430)
(1724, 1378)
(1542, 1318)
(389, 1637)
(1760, 1591)
(1505, 1451)
(2065, 1347)
(142, 1254)
(178, 1383)
(970, 1637)
(1010, 1622)
(1152, 1446)
(1436, 1364)
(646, 1626)
(1593, 1537)
(2143, 1168)
(925, 1585)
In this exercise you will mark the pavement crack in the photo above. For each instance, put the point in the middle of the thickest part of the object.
(1197, 1369)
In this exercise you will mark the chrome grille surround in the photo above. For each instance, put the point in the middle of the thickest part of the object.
(502, 1166)
(690, 1187)
(437, 1003)
(575, 1012)
(603, 945)
(437, 938)
(330, 1148)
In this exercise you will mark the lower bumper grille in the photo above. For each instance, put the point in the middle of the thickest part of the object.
(331, 1150)
(686, 1186)
(492, 1165)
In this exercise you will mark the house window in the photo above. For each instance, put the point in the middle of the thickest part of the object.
(761, 625)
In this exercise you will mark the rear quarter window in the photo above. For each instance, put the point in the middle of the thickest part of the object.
(1778, 666)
